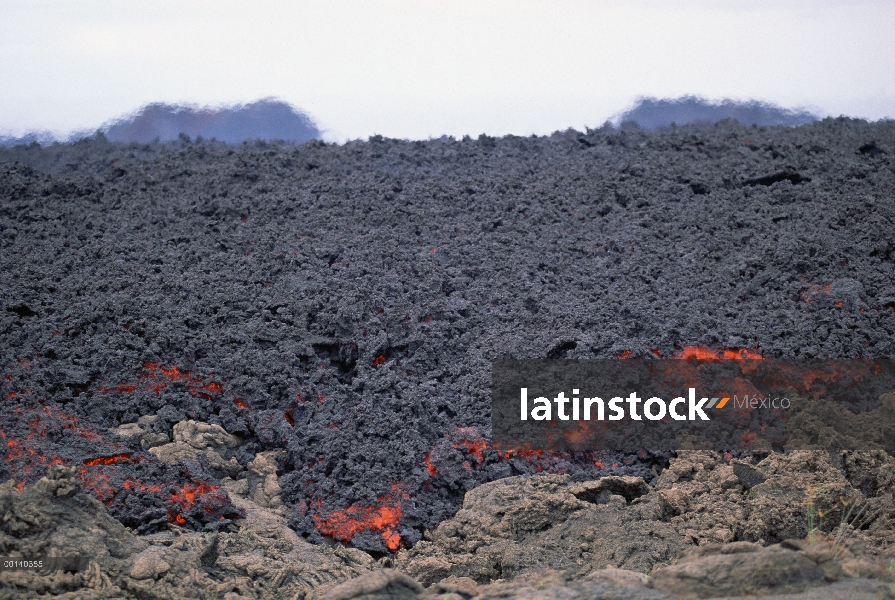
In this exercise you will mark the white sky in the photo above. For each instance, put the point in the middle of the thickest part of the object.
(422, 68)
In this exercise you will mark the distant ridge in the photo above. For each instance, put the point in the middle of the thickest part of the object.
(651, 113)
(40, 137)
(268, 119)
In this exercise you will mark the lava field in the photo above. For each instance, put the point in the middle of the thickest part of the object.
(340, 305)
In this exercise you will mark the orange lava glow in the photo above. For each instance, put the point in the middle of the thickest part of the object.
(133, 484)
(187, 495)
(31, 449)
(213, 388)
(703, 353)
(158, 376)
(185, 498)
(383, 518)
(28, 457)
(473, 444)
(108, 460)
(429, 466)
(813, 290)
(379, 360)
(98, 483)
(522, 453)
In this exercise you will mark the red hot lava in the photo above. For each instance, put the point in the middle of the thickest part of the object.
(39, 436)
(383, 518)
(156, 378)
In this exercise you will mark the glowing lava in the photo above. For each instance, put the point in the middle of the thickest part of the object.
(703, 353)
(108, 460)
(157, 377)
(383, 518)
(813, 290)
(39, 436)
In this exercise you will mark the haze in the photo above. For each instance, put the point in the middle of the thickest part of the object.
(420, 69)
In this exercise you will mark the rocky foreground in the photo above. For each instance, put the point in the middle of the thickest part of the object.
(796, 525)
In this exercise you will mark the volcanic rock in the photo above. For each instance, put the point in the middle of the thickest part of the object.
(192, 439)
(150, 563)
(748, 475)
(514, 528)
(523, 525)
(379, 585)
(340, 306)
(263, 560)
(343, 303)
(735, 569)
(263, 486)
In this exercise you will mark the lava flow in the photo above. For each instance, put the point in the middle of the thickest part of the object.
(382, 519)
(463, 458)
(137, 488)
(156, 378)
(703, 353)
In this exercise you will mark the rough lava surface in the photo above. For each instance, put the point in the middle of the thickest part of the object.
(337, 307)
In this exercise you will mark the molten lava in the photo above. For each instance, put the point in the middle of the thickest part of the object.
(39, 436)
(383, 518)
(108, 460)
(811, 293)
(703, 353)
(473, 444)
(157, 377)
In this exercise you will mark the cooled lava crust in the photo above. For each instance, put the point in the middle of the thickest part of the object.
(343, 303)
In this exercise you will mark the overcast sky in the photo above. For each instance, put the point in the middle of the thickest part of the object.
(420, 68)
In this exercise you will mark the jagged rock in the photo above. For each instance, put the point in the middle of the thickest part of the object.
(128, 430)
(380, 585)
(142, 429)
(60, 482)
(263, 485)
(263, 560)
(704, 498)
(151, 440)
(219, 466)
(748, 475)
(601, 490)
(682, 532)
(192, 439)
(175, 452)
(736, 569)
(204, 435)
(150, 563)
(523, 525)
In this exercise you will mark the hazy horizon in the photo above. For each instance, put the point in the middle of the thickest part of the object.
(427, 68)
(271, 119)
